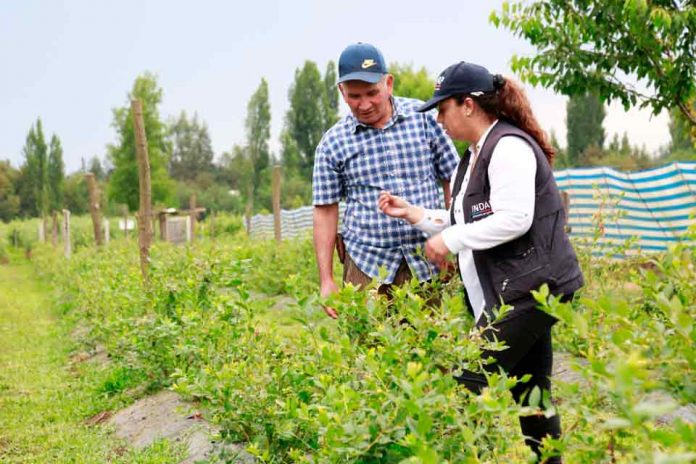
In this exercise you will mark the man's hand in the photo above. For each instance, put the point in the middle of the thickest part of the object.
(436, 251)
(327, 289)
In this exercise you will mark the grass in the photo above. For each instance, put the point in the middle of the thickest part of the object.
(44, 400)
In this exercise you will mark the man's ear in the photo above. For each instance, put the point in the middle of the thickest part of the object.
(389, 82)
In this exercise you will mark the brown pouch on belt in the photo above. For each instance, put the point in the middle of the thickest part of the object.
(340, 248)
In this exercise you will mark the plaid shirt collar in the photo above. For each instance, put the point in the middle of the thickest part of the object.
(397, 115)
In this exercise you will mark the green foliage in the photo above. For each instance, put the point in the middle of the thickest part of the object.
(56, 174)
(584, 117)
(9, 201)
(416, 84)
(237, 324)
(33, 186)
(192, 152)
(76, 194)
(411, 83)
(682, 133)
(330, 105)
(258, 127)
(308, 118)
(124, 185)
(602, 46)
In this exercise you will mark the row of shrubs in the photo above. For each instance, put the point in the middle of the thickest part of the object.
(237, 325)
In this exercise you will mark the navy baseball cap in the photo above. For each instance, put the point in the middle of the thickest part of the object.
(361, 62)
(460, 79)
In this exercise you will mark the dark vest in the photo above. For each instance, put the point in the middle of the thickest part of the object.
(510, 271)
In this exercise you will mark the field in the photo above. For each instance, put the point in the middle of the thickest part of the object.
(237, 325)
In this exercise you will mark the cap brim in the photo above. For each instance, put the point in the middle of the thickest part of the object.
(432, 103)
(371, 77)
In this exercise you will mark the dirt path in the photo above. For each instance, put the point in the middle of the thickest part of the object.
(42, 403)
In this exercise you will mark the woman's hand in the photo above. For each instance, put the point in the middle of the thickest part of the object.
(436, 251)
(397, 207)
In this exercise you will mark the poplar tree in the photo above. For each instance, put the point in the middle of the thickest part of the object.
(123, 186)
(56, 174)
(584, 118)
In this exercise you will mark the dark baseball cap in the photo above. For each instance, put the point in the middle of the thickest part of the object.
(460, 79)
(361, 62)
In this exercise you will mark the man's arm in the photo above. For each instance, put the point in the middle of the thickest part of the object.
(325, 228)
(448, 193)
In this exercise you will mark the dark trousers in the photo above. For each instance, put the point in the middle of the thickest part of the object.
(526, 332)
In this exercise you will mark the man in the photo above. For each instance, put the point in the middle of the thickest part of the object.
(384, 144)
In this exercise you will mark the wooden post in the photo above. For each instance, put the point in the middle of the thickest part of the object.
(107, 231)
(41, 230)
(145, 211)
(212, 225)
(54, 229)
(66, 233)
(249, 208)
(125, 221)
(276, 202)
(94, 207)
(565, 197)
(193, 214)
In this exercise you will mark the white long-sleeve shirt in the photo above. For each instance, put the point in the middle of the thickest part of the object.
(511, 173)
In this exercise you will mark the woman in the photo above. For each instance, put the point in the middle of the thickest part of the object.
(505, 224)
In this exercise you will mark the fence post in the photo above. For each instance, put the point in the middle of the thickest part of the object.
(249, 208)
(66, 233)
(94, 207)
(145, 211)
(193, 216)
(565, 198)
(41, 231)
(107, 232)
(125, 221)
(54, 229)
(276, 201)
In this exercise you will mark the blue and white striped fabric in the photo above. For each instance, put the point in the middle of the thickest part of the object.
(655, 206)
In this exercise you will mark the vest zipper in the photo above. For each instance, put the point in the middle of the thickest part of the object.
(505, 283)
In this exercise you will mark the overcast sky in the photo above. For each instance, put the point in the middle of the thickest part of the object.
(71, 62)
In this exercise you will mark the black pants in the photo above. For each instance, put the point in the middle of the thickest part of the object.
(527, 333)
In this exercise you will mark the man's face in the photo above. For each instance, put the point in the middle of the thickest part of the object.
(369, 103)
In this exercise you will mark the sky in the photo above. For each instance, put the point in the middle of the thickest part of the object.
(71, 62)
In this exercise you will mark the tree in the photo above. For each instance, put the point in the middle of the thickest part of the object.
(683, 134)
(9, 201)
(416, 84)
(410, 83)
(258, 132)
(603, 46)
(192, 151)
(584, 117)
(123, 185)
(76, 193)
(56, 174)
(305, 121)
(331, 95)
(96, 168)
(33, 181)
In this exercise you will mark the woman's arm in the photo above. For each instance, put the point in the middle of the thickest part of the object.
(430, 221)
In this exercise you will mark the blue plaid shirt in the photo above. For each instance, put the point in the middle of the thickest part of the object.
(408, 157)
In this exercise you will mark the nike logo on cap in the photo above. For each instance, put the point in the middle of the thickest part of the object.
(368, 63)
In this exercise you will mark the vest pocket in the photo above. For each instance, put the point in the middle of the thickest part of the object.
(515, 278)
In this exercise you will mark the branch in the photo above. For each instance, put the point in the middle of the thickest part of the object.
(686, 111)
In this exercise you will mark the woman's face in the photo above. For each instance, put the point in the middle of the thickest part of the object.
(456, 118)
